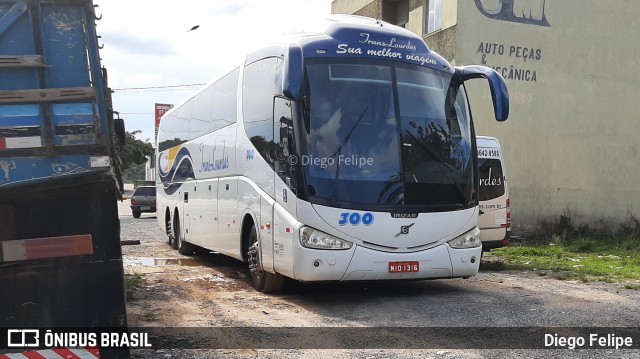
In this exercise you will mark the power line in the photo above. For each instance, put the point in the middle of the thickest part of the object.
(156, 87)
(156, 90)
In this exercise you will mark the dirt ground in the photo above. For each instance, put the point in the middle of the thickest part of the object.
(211, 291)
(203, 291)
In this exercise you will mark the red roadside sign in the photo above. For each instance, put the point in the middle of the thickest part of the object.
(161, 109)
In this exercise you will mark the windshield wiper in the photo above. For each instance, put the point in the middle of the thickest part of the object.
(430, 151)
(339, 149)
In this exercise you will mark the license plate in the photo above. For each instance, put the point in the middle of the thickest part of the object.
(145, 208)
(404, 267)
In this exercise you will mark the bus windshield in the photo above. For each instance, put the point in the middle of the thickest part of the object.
(385, 134)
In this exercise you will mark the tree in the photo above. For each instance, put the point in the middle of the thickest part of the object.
(134, 152)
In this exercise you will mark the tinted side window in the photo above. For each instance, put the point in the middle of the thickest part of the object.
(225, 101)
(200, 116)
(258, 88)
(491, 178)
(174, 129)
(212, 109)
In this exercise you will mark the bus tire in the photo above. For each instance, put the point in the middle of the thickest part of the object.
(261, 280)
(168, 227)
(175, 231)
(183, 247)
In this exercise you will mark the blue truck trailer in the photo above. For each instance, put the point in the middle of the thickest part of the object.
(60, 254)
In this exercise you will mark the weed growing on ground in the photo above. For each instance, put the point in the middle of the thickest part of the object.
(577, 252)
(131, 283)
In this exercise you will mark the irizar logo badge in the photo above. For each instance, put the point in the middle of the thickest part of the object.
(404, 230)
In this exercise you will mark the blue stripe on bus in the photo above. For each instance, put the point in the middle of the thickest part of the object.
(181, 169)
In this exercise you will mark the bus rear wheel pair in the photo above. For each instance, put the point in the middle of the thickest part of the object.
(176, 239)
(261, 280)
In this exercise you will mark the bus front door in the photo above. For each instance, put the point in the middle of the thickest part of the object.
(284, 188)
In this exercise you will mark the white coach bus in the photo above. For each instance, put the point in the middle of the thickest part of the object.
(343, 155)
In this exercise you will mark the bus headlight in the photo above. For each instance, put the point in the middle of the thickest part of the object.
(312, 238)
(470, 239)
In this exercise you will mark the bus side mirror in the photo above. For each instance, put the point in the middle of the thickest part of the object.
(120, 133)
(497, 85)
(294, 68)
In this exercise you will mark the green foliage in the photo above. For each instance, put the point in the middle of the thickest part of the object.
(565, 250)
(134, 173)
(131, 283)
(134, 152)
(587, 259)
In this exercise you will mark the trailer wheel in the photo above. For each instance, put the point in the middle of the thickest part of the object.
(261, 280)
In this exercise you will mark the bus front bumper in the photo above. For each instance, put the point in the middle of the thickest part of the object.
(361, 264)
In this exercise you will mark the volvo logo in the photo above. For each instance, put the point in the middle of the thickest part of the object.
(404, 230)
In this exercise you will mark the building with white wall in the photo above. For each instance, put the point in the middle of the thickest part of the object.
(570, 143)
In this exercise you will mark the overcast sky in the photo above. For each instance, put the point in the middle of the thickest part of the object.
(146, 44)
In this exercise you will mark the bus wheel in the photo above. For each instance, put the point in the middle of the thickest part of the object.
(261, 280)
(184, 248)
(167, 225)
(175, 233)
(179, 243)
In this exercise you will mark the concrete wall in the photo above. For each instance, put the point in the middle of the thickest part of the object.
(444, 43)
(571, 142)
(416, 20)
(449, 13)
(150, 168)
(348, 6)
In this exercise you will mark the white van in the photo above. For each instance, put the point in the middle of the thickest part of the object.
(494, 218)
